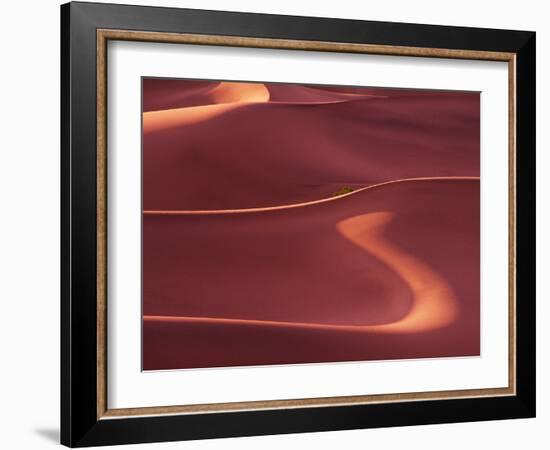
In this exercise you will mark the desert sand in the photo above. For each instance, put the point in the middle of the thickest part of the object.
(251, 154)
(250, 254)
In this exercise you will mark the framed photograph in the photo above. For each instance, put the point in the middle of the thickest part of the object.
(277, 224)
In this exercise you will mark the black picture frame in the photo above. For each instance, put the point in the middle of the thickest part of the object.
(80, 425)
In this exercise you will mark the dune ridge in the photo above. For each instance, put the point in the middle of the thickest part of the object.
(287, 223)
(174, 212)
(160, 94)
(415, 299)
(268, 154)
(434, 304)
(166, 119)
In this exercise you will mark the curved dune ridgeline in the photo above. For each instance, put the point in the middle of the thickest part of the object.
(247, 154)
(240, 293)
(434, 303)
(287, 223)
(159, 95)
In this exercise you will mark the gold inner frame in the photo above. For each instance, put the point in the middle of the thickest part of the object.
(103, 36)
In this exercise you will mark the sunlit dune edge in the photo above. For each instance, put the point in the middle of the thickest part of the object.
(291, 224)
(297, 205)
(227, 92)
(220, 98)
(270, 323)
(165, 119)
(434, 304)
(169, 118)
(401, 293)
(166, 94)
(269, 154)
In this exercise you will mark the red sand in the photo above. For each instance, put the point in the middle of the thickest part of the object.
(243, 155)
(391, 271)
(294, 266)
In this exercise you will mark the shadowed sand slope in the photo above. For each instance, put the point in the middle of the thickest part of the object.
(297, 93)
(389, 272)
(278, 144)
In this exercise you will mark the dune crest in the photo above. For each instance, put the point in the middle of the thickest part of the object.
(227, 92)
(177, 212)
(224, 100)
(273, 153)
(166, 119)
(379, 299)
(218, 99)
(286, 223)
(309, 94)
(434, 306)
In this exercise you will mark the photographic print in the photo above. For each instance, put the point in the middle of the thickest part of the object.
(299, 223)
(276, 224)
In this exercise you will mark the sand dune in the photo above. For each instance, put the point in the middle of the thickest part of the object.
(216, 283)
(389, 92)
(254, 250)
(332, 198)
(239, 92)
(434, 305)
(155, 122)
(273, 153)
(296, 93)
(160, 94)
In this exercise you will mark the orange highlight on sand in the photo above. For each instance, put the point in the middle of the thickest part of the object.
(290, 223)
(434, 306)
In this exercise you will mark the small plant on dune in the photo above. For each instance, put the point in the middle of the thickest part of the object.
(344, 190)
